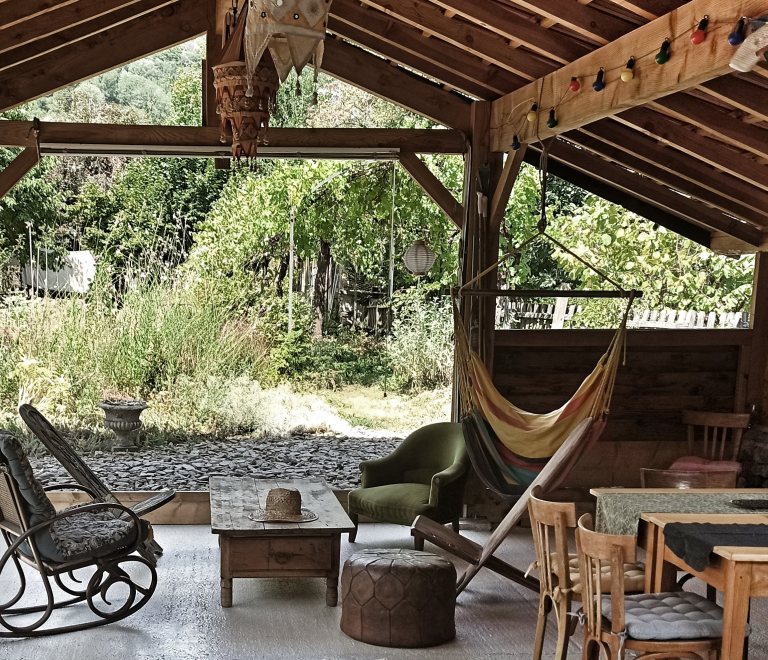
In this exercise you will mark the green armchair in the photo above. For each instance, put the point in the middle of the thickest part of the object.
(424, 476)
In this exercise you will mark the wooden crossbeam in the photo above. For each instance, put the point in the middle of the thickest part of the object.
(677, 163)
(78, 31)
(435, 51)
(394, 53)
(17, 169)
(710, 151)
(373, 74)
(648, 168)
(114, 47)
(138, 138)
(507, 23)
(12, 13)
(433, 187)
(712, 119)
(504, 188)
(689, 66)
(489, 46)
(652, 193)
(617, 195)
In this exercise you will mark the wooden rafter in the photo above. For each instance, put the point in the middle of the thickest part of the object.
(687, 69)
(435, 51)
(510, 25)
(620, 196)
(407, 58)
(677, 163)
(699, 146)
(715, 121)
(648, 168)
(17, 169)
(373, 74)
(137, 138)
(487, 45)
(433, 187)
(114, 47)
(653, 193)
(12, 13)
(83, 30)
(503, 190)
(739, 92)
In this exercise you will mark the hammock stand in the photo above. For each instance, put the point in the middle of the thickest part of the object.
(513, 450)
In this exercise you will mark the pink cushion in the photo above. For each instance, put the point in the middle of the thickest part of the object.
(698, 464)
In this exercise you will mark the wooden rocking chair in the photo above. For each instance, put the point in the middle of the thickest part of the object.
(101, 536)
(86, 478)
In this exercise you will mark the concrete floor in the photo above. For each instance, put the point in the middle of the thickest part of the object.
(281, 619)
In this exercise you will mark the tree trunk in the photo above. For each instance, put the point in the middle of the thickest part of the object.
(281, 274)
(321, 287)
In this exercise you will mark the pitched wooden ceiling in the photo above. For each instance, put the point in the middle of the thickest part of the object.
(696, 160)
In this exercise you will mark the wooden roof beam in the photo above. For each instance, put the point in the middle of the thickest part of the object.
(107, 50)
(433, 187)
(653, 193)
(617, 195)
(687, 68)
(480, 42)
(374, 75)
(136, 137)
(435, 51)
(741, 93)
(17, 169)
(508, 24)
(674, 181)
(12, 13)
(699, 146)
(639, 145)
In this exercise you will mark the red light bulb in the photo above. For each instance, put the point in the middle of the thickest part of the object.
(700, 33)
(575, 85)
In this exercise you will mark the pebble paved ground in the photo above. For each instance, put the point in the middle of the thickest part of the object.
(187, 466)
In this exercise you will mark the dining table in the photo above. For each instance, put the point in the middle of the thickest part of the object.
(739, 571)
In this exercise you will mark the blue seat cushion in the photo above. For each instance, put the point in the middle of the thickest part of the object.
(669, 616)
(395, 503)
(37, 506)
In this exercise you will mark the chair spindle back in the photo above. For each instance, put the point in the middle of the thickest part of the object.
(717, 430)
(595, 550)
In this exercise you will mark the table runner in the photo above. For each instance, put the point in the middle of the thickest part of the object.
(619, 512)
(694, 542)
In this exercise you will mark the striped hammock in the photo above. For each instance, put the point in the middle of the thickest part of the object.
(509, 446)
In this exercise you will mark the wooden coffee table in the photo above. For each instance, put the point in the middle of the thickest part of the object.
(251, 549)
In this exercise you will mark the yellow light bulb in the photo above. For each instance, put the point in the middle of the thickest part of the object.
(531, 116)
(627, 75)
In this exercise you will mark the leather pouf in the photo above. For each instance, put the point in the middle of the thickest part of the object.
(402, 598)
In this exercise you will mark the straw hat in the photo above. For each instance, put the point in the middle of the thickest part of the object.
(283, 505)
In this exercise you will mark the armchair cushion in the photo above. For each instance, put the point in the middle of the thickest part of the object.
(698, 464)
(396, 503)
(36, 504)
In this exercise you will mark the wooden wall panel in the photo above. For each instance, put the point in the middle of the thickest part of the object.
(665, 372)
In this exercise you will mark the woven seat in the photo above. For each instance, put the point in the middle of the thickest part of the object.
(634, 575)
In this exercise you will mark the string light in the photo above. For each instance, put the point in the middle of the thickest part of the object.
(736, 38)
(665, 52)
(552, 121)
(515, 143)
(599, 84)
(532, 113)
(700, 33)
(575, 85)
(629, 71)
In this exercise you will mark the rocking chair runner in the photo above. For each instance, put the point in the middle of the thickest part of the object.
(85, 477)
(99, 535)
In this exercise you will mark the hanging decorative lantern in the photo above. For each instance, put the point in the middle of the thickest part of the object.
(292, 30)
(244, 117)
(419, 258)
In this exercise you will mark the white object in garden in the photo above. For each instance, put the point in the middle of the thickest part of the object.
(419, 258)
(75, 275)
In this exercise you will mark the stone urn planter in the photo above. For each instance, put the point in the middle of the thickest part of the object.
(123, 418)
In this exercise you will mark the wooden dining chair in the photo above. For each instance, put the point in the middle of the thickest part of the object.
(559, 577)
(661, 625)
(714, 441)
(678, 479)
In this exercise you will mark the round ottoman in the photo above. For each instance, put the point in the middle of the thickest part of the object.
(402, 598)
